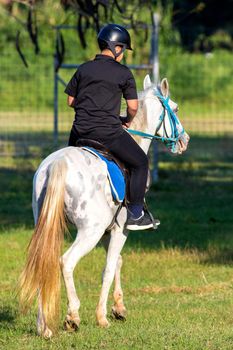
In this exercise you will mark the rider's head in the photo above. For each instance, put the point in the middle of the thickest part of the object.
(115, 38)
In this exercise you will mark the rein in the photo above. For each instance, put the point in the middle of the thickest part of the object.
(172, 119)
(150, 136)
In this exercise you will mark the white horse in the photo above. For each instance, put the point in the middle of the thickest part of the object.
(73, 183)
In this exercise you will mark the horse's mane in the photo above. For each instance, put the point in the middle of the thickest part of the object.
(139, 121)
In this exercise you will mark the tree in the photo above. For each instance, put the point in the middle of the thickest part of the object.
(88, 14)
(199, 20)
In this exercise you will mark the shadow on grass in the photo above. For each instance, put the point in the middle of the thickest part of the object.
(31, 144)
(193, 200)
(195, 210)
(15, 199)
(7, 317)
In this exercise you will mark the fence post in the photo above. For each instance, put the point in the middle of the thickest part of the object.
(55, 115)
(154, 60)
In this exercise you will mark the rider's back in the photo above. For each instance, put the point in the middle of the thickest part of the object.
(98, 86)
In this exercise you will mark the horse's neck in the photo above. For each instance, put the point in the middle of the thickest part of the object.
(142, 122)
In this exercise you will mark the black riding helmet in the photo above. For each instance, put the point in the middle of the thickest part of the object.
(112, 35)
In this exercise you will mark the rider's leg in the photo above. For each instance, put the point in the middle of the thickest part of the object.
(129, 152)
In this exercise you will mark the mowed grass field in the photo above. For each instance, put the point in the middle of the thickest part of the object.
(177, 281)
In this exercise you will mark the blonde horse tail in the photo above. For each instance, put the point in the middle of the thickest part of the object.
(41, 275)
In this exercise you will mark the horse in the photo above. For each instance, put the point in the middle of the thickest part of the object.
(71, 184)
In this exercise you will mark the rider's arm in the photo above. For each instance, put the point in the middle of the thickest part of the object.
(72, 89)
(132, 107)
(71, 101)
(130, 95)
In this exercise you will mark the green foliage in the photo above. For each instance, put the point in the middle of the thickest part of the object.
(201, 84)
(169, 37)
(200, 78)
(194, 76)
(221, 39)
(198, 22)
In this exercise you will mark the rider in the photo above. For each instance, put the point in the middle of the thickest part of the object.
(95, 92)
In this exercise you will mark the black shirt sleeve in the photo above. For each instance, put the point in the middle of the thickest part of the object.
(72, 87)
(129, 88)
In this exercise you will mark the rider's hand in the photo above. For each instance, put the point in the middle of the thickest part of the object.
(126, 125)
(124, 122)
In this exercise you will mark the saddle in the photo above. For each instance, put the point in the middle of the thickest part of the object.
(100, 148)
(108, 155)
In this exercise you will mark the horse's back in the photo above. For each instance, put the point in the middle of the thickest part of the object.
(85, 184)
(81, 165)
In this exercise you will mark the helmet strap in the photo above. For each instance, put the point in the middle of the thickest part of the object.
(112, 46)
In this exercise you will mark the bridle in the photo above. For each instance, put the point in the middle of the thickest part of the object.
(175, 135)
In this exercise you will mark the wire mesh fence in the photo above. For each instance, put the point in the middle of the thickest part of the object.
(26, 104)
(201, 83)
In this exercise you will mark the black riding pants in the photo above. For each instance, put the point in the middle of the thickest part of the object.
(127, 150)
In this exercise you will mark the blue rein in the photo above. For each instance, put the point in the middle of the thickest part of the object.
(172, 119)
(150, 136)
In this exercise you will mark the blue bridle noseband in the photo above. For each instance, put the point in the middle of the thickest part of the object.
(174, 121)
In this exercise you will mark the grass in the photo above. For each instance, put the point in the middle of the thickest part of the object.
(175, 300)
(177, 281)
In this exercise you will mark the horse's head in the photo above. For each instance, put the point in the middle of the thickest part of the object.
(162, 117)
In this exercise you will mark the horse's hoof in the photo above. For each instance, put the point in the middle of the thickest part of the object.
(46, 334)
(119, 313)
(71, 324)
(103, 323)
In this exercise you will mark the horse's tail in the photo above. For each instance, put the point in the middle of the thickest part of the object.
(41, 275)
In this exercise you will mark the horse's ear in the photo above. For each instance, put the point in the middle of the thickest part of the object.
(147, 82)
(165, 87)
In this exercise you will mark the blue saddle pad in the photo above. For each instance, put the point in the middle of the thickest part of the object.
(115, 176)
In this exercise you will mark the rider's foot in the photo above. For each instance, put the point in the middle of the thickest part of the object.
(156, 222)
(144, 222)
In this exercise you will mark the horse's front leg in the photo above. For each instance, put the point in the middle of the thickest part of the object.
(118, 309)
(117, 241)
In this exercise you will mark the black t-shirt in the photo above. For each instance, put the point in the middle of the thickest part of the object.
(98, 87)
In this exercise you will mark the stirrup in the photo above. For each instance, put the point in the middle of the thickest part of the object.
(154, 221)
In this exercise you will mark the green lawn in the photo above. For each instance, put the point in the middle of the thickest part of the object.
(177, 281)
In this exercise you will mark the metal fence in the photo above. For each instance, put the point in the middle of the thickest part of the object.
(201, 83)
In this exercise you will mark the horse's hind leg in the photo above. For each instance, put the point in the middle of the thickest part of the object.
(42, 328)
(118, 309)
(86, 240)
